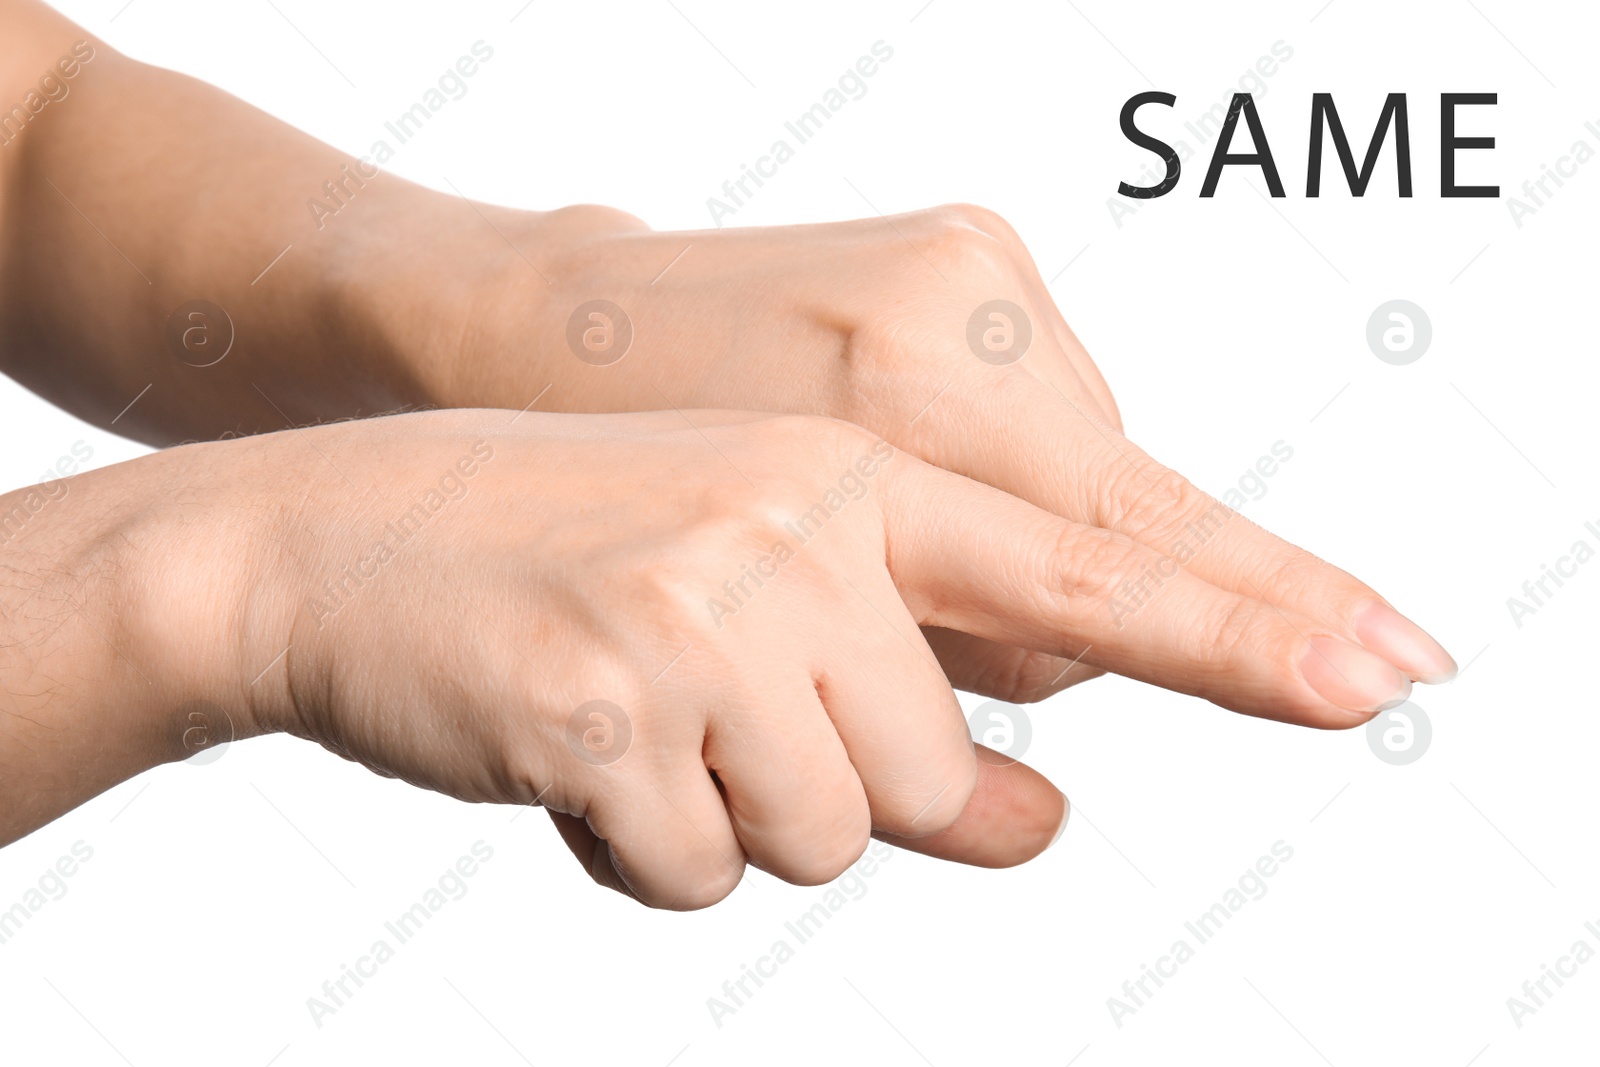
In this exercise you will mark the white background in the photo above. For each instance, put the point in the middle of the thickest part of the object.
(1419, 898)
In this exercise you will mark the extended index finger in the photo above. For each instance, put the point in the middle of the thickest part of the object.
(1063, 458)
(970, 557)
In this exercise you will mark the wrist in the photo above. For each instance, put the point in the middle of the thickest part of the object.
(187, 555)
(479, 318)
(118, 650)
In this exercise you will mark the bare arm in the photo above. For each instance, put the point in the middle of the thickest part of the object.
(128, 192)
(114, 610)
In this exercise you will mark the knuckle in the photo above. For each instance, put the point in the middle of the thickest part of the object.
(723, 535)
(672, 591)
(1094, 564)
(957, 247)
(974, 217)
(972, 257)
(728, 537)
(1239, 624)
(1151, 502)
(688, 597)
(1293, 570)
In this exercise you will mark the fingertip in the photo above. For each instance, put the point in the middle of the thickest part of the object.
(1403, 643)
(1357, 682)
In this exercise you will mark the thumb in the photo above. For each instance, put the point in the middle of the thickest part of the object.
(1014, 814)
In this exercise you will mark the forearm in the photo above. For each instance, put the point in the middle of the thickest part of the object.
(112, 657)
(136, 191)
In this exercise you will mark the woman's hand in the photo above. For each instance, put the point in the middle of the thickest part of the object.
(695, 635)
(933, 330)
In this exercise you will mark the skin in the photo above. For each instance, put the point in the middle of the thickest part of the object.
(998, 549)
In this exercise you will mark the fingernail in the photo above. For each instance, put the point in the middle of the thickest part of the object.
(1351, 677)
(1404, 644)
(1066, 813)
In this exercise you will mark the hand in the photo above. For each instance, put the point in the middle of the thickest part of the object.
(688, 642)
(873, 322)
(693, 642)
(445, 597)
